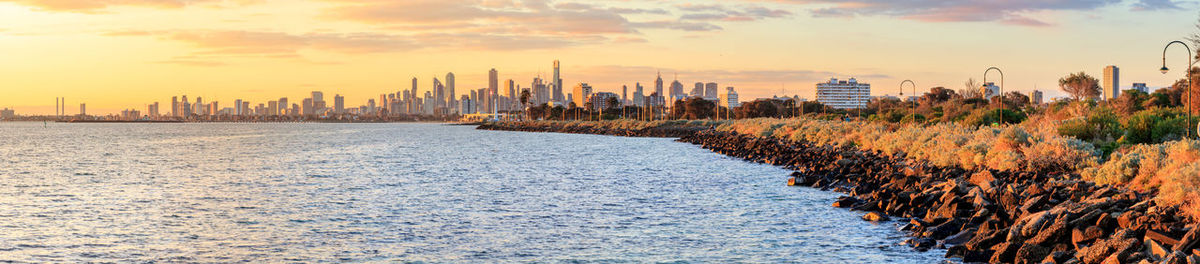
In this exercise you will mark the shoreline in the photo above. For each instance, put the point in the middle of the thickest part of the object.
(978, 215)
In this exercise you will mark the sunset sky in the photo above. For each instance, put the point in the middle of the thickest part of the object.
(117, 54)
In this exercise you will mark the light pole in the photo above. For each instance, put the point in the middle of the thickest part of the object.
(914, 103)
(999, 114)
(1187, 74)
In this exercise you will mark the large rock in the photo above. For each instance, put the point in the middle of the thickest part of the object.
(1189, 240)
(1005, 252)
(1056, 232)
(1031, 253)
(1085, 237)
(875, 217)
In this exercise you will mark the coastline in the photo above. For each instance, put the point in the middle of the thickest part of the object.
(979, 215)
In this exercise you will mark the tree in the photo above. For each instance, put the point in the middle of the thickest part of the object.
(1080, 85)
(971, 89)
(1015, 100)
(525, 101)
(1129, 102)
(1195, 39)
(613, 102)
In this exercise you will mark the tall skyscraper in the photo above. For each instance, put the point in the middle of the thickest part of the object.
(318, 101)
(639, 95)
(512, 95)
(283, 107)
(237, 107)
(556, 84)
(439, 93)
(174, 106)
(1112, 82)
(658, 85)
(493, 89)
(82, 109)
(338, 103)
(624, 94)
(1036, 97)
(676, 90)
(450, 101)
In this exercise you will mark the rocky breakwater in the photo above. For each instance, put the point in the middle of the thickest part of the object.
(657, 131)
(982, 215)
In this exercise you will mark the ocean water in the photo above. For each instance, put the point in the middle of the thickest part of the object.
(406, 193)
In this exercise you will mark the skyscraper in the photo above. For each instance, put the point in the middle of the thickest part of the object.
(556, 84)
(639, 95)
(174, 106)
(1036, 97)
(318, 102)
(493, 89)
(82, 109)
(710, 90)
(676, 90)
(512, 95)
(658, 85)
(624, 94)
(338, 102)
(439, 93)
(283, 107)
(450, 103)
(1112, 82)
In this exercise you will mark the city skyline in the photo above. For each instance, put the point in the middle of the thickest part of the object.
(261, 50)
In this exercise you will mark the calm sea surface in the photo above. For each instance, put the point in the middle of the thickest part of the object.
(405, 192)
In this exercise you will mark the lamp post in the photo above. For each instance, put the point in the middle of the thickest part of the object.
(999, 114)
(914, 103)
(1187, 74)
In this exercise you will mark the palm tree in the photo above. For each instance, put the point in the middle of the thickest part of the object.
(612, 102)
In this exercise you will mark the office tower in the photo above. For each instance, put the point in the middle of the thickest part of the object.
(246, 107)
(676, 90)
(658, 85)
(174, 106)
(541, 93)
(185, 106)
(581, 93)
(439, 93)
(710, 90)
(599, 101)
(466, 105)
(624, 94)
(212, 107)
(450, 103)
(237, 108)
(295, 110)
(82, 109)
(639, 95)
(481, 100)
(306, 107)
(57, 112)
(318, 102)
(493, 89)
(1112, 82)
(697, 91)
(1036, 97)
(429, 103)
(152, 110)
(512, 95)
(283, 106)
(729, 99)
(556, 85)
(338, 104)
(272, 108)
(198, 107)
(842, 94)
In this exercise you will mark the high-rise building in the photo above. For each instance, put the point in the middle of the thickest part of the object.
(599, 101)
(450, 103)
(185, 106)
(306, 107)
(581, 93)
(843, 94)
(272, 108)
(339, 104)
(493, 89)
(1112, 82)
(1035, 97)
(237, 108)
(512, 95)
(989, 90)
(556, 84)
(638, 94)
(710, 90)
(658, 84)
(82, 109)
(7, 113)
(152, 110)
(729, 99)
(624, 94)
(283, 107)
(697, 91)
(175, 106)
(439, 93)
(318, 102)
(676, 90)
(541, 93)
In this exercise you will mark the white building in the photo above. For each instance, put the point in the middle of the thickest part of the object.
(729, 99)
(1140, 87)
(848, 94)
(989, 90)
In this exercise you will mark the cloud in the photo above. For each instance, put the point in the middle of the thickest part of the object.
(95, 5)
(1153, 5)
(725, 13)
(1015, 12)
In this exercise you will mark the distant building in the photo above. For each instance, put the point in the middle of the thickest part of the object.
(556, 85)
(82, 109)
(989, 90)
(7, 113)
(599, 101)
(710, 91)
(698, 91)
(1140, 87)
(677, 89)
(339, 104)
(1035, 97)
(639, 95)
(846, 94)
(580, 94)
(729, 99)
(1112, 83)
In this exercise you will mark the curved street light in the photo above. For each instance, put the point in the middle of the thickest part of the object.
(999, 114)
(914, 93)
(1191, 62)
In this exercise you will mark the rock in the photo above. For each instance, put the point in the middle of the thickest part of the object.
(973, 256)
(1176, 257)
(1052, 234)
(983, 179)
(1005, 252)
(875, 217)
(1155, 249)
(920, 244)
(845, 202)
(1086, 236)
(945, 229)
(961, 237)
(1058, 257)
(1031, 253)
(1189, 240)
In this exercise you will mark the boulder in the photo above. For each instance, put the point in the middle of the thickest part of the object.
(1004, 252)
(960, 238)
(845, 202)
(1156, 250)
(1052, 234)
(875, 217)
(1188, 242)
(1085, 236)
(1031, 253)
(1058, 257)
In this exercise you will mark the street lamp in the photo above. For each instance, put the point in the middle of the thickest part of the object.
(914, 103)
(1191, 62)
(999, 114)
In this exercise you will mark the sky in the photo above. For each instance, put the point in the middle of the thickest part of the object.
(122, 54)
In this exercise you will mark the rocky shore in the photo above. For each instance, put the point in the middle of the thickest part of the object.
(977, 215)
(667, 131)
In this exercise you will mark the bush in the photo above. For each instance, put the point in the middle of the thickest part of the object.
(983, 117)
